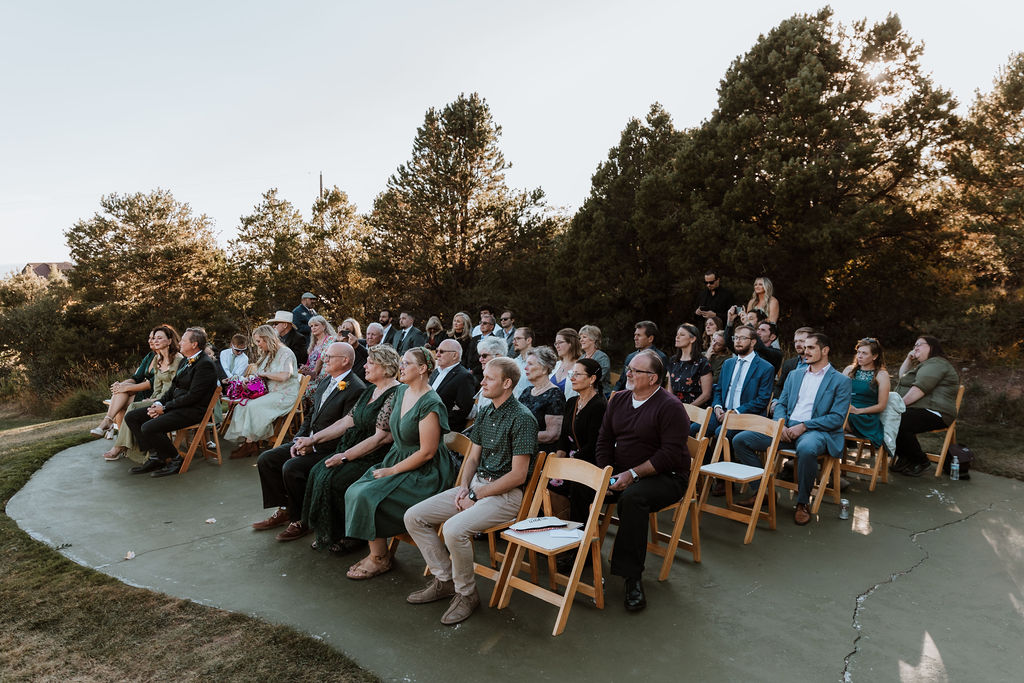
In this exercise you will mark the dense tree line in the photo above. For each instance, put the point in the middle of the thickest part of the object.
(831, 164)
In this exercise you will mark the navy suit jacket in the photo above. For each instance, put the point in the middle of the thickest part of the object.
(757, 386)
(830, 405)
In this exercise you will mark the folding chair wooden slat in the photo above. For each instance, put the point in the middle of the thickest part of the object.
(700, 416)
(940, 458)
(827, 482)
(199, 436)
(736, 473)
(285, 422)
(566, 469)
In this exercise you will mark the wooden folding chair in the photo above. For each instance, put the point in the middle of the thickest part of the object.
(543, 543)
(827, 482)
(284, 427)
(856, 462)
(199, 436)
(460, 444)
(940, 458)
(737, 473)
(490, 571)
(701, 416)
(696, 448)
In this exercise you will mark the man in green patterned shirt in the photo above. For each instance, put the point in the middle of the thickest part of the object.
(504, 440)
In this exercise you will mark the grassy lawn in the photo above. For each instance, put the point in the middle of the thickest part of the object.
(59, 620)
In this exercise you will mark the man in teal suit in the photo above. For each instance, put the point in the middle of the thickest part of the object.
(814, 402)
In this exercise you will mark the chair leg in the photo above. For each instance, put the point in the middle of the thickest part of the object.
(877, 455)
(509, 568)
(950, 435)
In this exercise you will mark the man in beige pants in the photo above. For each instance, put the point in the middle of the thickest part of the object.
(504, 440)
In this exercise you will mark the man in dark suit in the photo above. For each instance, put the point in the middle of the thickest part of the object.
(183, 405)
(389, 333)
(453, 383)
(284, 470)
(409, 336)
(813, 404)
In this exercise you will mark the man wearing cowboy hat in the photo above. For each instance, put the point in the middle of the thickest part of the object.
(292, 338)
(303, 312)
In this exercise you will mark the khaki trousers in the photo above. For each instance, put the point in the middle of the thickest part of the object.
(451, 558)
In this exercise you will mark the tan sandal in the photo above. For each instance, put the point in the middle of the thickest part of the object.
(381, 564)
(113, 456)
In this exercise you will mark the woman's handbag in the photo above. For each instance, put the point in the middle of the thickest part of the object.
(245, 389)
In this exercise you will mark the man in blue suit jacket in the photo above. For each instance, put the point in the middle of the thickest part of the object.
(814, 402)
(744, 385)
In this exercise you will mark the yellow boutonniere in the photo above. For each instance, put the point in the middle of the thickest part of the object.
(342, 385)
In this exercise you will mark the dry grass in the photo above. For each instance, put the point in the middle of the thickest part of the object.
(61, 621)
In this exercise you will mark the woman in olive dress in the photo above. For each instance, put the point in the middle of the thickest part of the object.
(364, 443)
(417, 466)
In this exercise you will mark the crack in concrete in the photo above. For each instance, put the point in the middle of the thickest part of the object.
(173, 545)
(862, 598)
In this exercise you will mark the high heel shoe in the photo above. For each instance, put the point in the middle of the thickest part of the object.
(110, 434)
(101, 430)
(113, 456)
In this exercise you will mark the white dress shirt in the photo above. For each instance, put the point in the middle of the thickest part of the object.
(735, 388)
(804, 407)
(441, 374)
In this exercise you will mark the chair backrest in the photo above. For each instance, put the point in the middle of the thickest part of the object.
(701, 416)
(696, 447)
(574, 469)
(461, 444)
(745, 422)
(531, 483)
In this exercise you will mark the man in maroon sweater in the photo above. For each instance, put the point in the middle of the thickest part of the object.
(643, 438)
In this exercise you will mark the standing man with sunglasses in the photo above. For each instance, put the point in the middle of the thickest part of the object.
(714, 300)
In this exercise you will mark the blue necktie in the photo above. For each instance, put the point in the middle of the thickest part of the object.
(734, 389)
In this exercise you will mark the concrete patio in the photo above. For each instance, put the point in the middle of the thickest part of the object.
(925, 582)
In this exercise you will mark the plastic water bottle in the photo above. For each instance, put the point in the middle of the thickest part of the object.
(954, 469)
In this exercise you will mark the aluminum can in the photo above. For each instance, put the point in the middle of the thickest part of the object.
(844, 509)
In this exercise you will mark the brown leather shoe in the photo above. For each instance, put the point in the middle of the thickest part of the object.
(802, 515)
(279, 518)
(294, 531)
(749, 502)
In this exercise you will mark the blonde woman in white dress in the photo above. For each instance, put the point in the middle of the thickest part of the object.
(276, 364)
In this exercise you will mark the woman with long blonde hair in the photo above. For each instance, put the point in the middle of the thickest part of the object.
(763, 298)
(276, 365)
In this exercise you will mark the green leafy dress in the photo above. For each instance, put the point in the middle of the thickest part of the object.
(374, 508)
(324, 506)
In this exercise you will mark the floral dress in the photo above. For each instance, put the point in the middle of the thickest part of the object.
(309, 366)
(684, 377)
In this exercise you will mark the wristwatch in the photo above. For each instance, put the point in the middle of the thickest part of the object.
(636, 476)
(344, 458)
(472, 495)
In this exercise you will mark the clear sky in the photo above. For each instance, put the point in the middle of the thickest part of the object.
(219, 101)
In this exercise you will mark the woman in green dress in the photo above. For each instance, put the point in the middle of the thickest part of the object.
(364, 443)
(417, 467)
(870, 391)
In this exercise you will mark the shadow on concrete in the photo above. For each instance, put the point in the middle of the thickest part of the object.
(925, 581)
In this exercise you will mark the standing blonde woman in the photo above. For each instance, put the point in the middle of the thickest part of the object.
(275, 363)
(764, 299)
(590, 343)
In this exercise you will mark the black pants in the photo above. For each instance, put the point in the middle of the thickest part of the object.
(915, 421)
(283, 478)
(634, 506)
(151, 433)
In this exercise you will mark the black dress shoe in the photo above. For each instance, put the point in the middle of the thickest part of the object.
(172, 467)
(915, 469)
(898, 465)
(635, 598)
(151, 465)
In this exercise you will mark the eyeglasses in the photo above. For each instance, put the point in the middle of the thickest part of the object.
(632, 371)
(738, 338)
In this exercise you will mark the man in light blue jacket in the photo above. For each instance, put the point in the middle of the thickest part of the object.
(814, 402)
